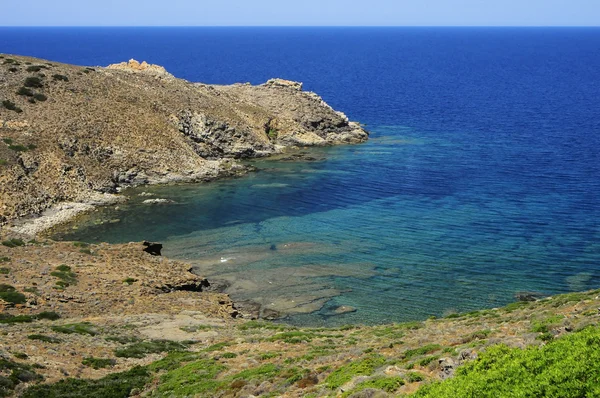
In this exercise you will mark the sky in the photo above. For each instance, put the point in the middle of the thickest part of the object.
(300, 13)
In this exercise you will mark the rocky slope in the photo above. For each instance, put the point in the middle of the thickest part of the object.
(79, 134)
(91, 313)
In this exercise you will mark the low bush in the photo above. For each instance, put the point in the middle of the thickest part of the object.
(18, 148)
(11, 106)
(76, 328)
(33, 82)
(9, 294)
(13, 374)
(99, 363)
(117, 385)
(565, 367)
(40, 97)
(66, 276)
(44, 338)
(362, 367)
(25, 91)
(36, 68)
(58, 77)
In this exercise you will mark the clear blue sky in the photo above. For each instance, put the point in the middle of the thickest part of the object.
(299, 12)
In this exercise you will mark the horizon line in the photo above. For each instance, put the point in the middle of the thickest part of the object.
(299, 26)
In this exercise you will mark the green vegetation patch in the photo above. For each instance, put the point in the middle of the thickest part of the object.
(99, 363)
(362, 367)
(59, 77)
(36, 68)
(13, 374)
(44, 338)
(194, 379)
(123, 339)
(4, 259)
(544, 325)
(40, 97)
(129, 281)
(13, 242)
(143, 348)
(65, 275)
(387, 384)
(293, 337)
(4, 271)
(9, 294)
(117, 385)
(25, 91)
(76, 328)
(33, 82)
(565, 367)
(426, 349)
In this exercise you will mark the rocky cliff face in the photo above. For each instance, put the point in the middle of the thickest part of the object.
(71, 133)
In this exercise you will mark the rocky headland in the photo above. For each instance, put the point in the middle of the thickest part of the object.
(77, 135)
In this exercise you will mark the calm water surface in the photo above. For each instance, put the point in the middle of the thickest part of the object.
(481, 178)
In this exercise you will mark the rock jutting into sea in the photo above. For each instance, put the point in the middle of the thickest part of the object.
(72, 132)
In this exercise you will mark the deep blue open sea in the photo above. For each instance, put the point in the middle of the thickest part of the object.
(481, 178)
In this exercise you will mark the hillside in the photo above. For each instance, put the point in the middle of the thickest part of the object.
(80, 134)
(115, 318)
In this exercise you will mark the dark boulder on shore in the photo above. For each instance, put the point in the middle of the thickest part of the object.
(152, 248)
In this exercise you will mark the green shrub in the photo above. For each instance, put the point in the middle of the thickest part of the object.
(99, 363)
(122, 339)
(66, 276)
(414, 377)
(565, 367)
(76, 328)
(228, 355)
(60, 77)
(4, 271)
(427, 349)
(129, 281)
(33, 82)
(9, 294)
(11, 106)
(35, 68)
(40, 97)
(9, 61)
(13, 374)
(44, 338)
(25, 91)
(387, 384)
(18, 148)
(3, 162)
(13, 69)
(7, 140)
(362, 367)
(7, 318)
(20, 355)
(117, 385)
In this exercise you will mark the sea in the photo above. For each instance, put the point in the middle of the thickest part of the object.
(480, 180)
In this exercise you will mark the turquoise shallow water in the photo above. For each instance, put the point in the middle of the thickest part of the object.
(481, 178)
(408, 225)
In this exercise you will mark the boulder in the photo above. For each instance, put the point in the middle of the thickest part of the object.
(152, 248)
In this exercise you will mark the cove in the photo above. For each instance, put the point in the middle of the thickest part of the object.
(408, 225)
